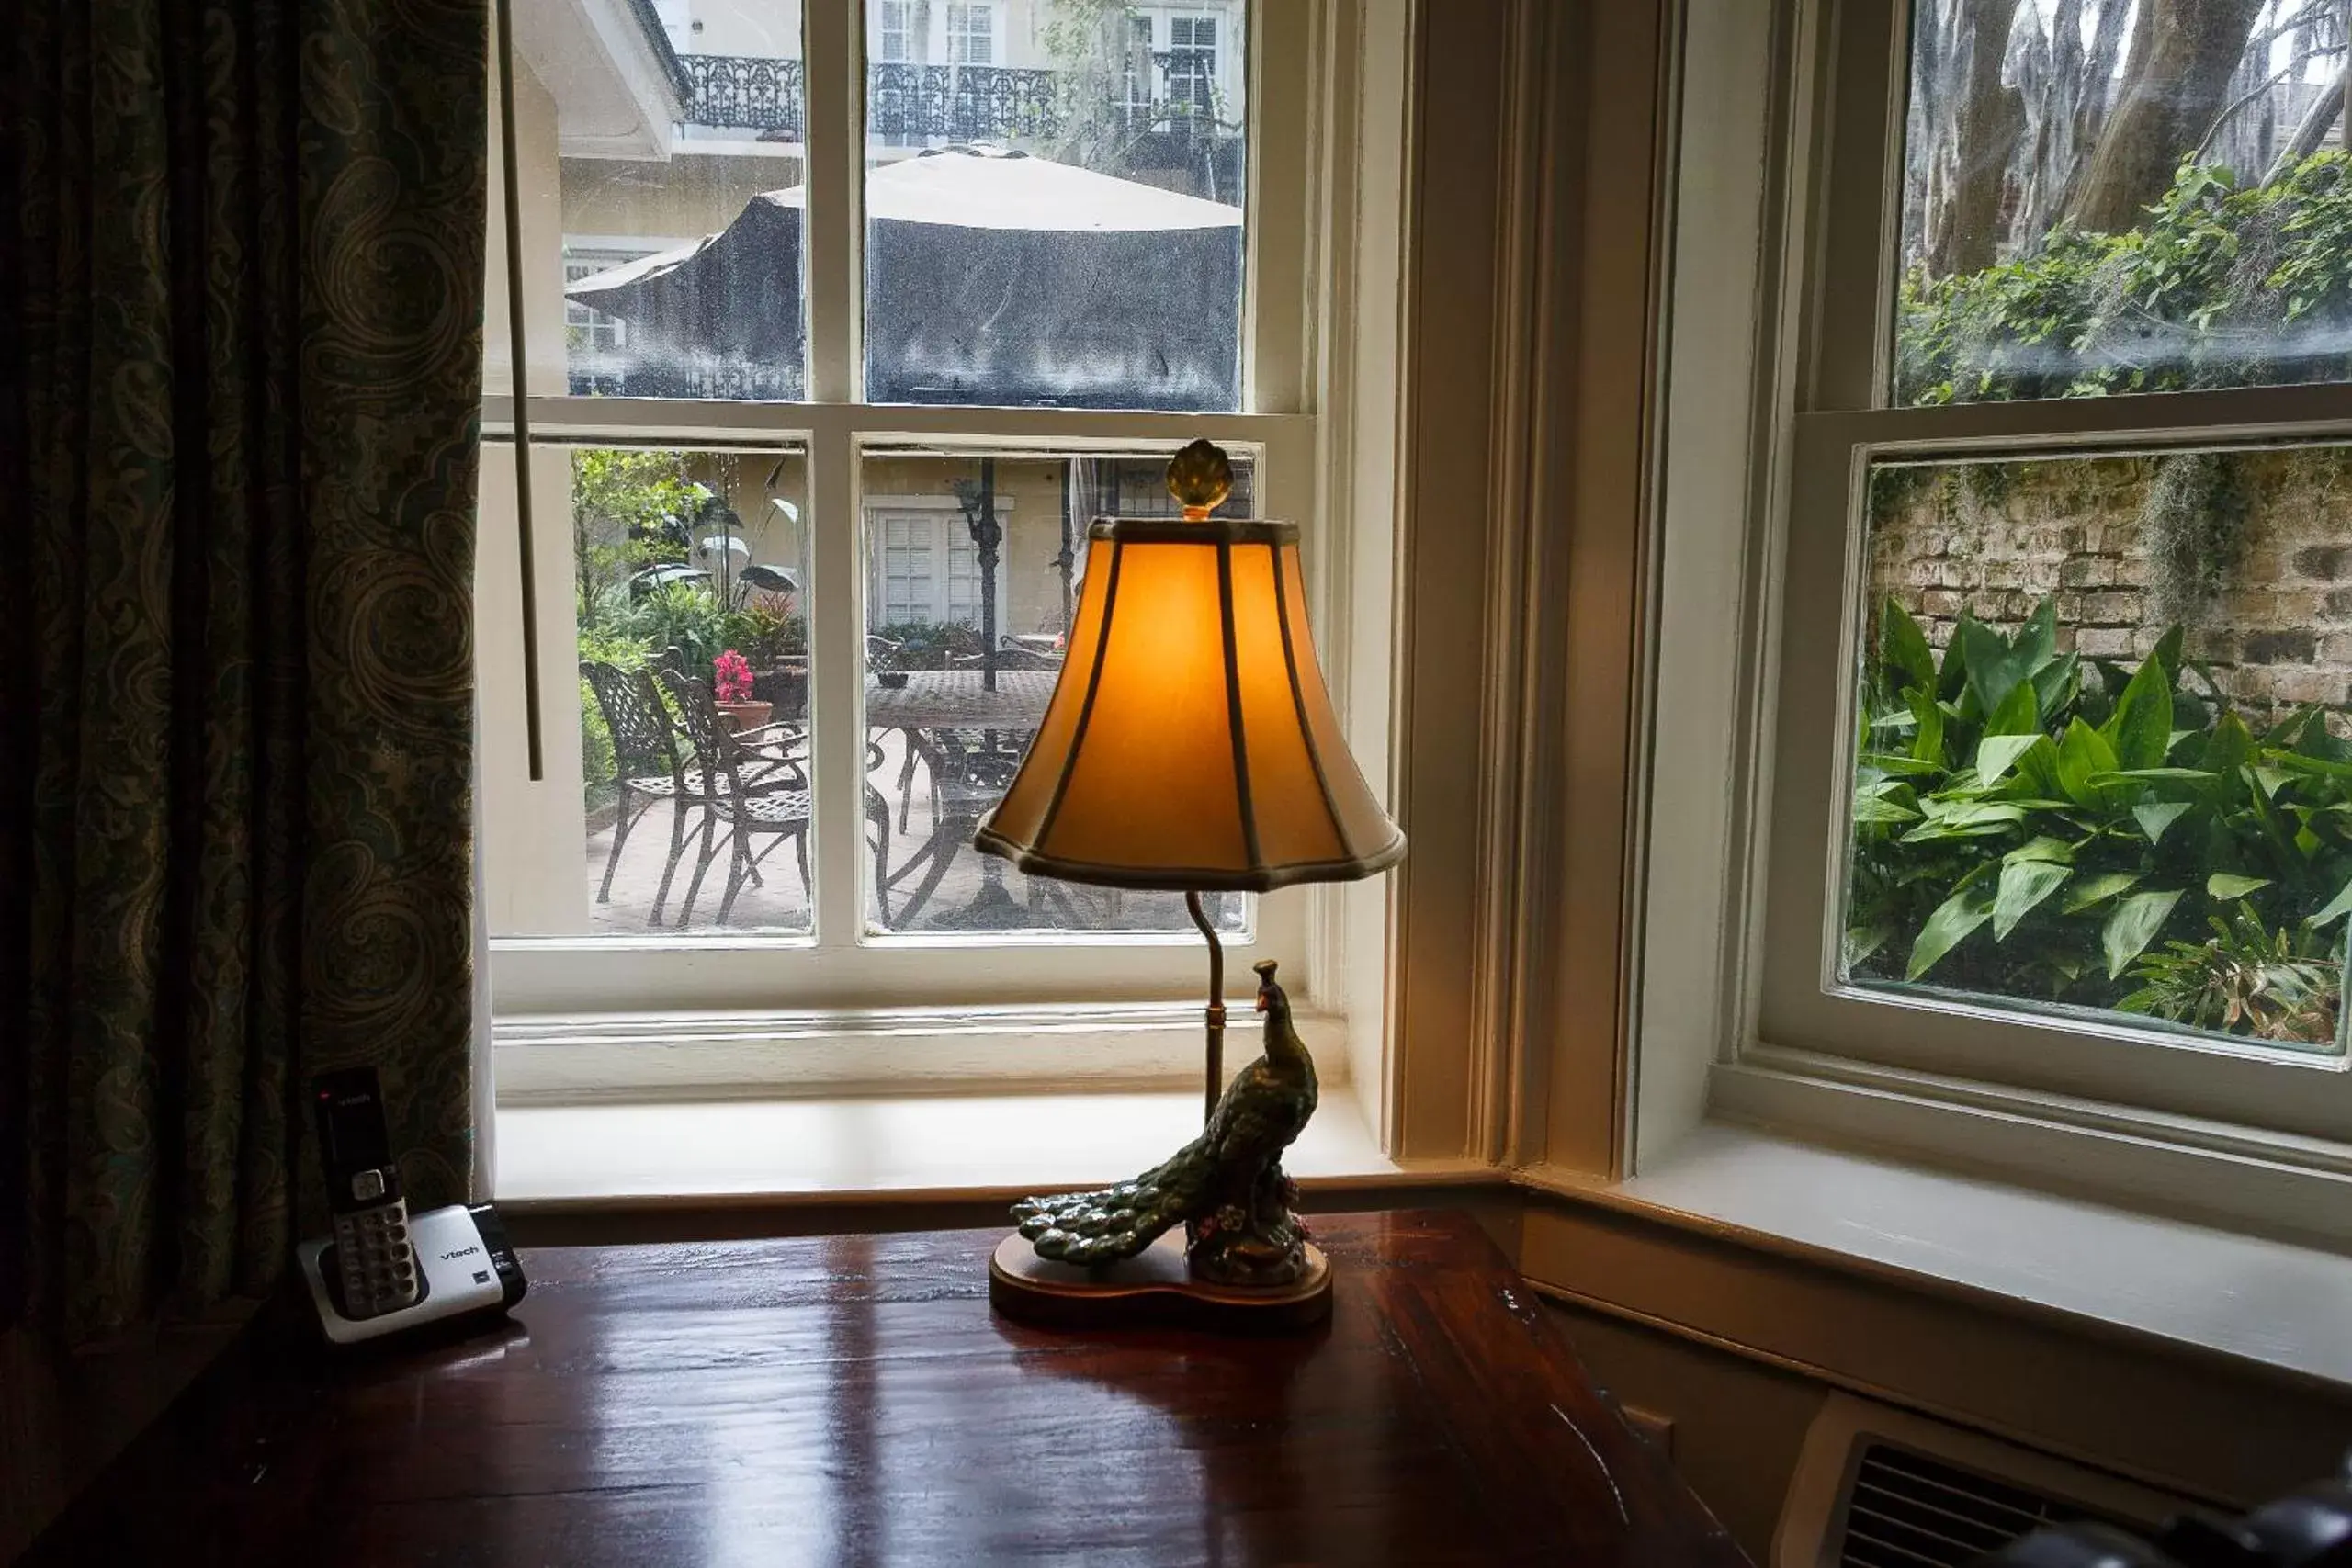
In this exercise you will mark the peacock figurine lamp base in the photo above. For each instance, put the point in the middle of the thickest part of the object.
(1196, 617)
(1206, 1238)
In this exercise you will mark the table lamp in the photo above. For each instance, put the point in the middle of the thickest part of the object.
(1190, 746)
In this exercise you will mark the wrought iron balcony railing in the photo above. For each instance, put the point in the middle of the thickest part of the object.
(747, 93)
(910, 104)
(960, 103)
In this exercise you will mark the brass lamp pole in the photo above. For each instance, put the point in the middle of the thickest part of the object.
(1215, 1015)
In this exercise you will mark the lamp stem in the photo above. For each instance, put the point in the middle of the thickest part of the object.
(1215, 1013)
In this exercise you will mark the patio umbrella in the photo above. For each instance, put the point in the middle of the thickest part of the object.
(990, 277)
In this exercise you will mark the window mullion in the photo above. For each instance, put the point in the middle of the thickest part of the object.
(1277, 326)
(836, 108)
(836, 624)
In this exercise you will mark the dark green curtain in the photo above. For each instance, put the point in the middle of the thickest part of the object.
(242, 299)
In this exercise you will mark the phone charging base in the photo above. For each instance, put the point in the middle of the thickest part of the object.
(453, 1261)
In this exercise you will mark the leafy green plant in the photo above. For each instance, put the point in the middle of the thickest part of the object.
(629, 511)
(2203, 294)
(2028, 823)
(684, 615)
(2278, 985)
(766, 638)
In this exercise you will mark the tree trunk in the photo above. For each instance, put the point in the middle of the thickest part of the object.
(2095, 102)
(1964, 233)
(2049, 80)
(2182, 57)
(2074, 85)
(2312, 130)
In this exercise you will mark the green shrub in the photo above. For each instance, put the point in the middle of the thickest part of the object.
(2214, 290)
(629, 510)
(2030, 824)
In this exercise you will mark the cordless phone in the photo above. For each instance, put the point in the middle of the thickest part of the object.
(376, 1267)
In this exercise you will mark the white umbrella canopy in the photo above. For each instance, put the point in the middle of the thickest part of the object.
(991, 276)
(987, 190)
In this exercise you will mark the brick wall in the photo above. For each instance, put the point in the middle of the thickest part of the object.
(1994, 544)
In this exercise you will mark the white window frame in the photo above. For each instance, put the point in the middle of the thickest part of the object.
(1135, 78)
(1784, 262)
(910, 47)
(599, 253)
(1215, 76)
(1157, 25)
(587, 318)
(950, 534)
(841, 971)
(958, 32)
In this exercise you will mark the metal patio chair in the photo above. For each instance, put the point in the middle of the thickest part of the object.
(646, 766)
(759, 789)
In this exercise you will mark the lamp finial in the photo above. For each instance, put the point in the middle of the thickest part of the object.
(1200, 477)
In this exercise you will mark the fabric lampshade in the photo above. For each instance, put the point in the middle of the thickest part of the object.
(1190, 744)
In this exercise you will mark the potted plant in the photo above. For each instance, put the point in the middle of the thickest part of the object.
(732, 684)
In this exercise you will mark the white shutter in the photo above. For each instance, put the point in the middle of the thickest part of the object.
(909, 585)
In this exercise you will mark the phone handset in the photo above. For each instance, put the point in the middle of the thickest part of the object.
(375, 1260)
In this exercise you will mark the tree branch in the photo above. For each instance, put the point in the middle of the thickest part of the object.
(2258, 90)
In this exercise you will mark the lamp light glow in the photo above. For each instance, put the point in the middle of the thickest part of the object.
(1190, 743)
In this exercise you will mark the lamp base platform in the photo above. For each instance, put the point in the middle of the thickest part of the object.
(1152, 1289)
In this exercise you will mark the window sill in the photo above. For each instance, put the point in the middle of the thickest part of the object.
(565, 1158)
(2273, 1304)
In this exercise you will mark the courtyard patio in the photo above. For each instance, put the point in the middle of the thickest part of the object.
(973, 893)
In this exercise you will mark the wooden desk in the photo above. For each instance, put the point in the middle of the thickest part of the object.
(850, 1400)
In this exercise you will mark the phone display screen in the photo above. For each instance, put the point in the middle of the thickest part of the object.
(350, 1124)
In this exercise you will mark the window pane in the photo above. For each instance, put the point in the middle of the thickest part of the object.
(1054, 204)
(2104, 765)
(2115, 196)
(660, 151)
(686, 805)
(966, 553)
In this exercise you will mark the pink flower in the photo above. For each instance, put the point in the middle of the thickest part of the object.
(734, 673)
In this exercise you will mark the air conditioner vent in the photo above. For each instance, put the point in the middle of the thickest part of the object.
(1909, 1511)
(1878, 1487)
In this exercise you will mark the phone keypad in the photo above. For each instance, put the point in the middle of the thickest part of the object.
(376, 1262)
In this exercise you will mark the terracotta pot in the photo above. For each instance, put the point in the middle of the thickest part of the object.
(739, 716)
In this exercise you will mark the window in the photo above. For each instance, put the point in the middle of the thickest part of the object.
(971, 33)
(1045, 251)
(2101, 770)
(1191, 61)
(1173, 66)
(924, 569)
(786, 489)
(2061, 791)
(1138, 74)
(589, 333)
(598, 355)
(895, 38)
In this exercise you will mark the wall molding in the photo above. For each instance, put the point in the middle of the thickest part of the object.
(1525, 555)
(2159, 1412)
(2293, 1187)
(622, 1057)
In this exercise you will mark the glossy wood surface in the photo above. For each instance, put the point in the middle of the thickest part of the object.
(850, 1400)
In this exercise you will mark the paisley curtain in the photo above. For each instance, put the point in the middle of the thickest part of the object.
(241, 285)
